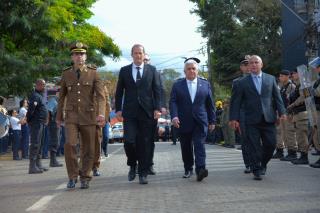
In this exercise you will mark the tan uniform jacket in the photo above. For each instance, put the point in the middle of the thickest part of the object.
(80, 99)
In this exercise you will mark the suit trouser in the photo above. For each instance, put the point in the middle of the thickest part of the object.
(97, 148)
(193, 142)
(138, 136)
(244, 144)
(36, 140)
(261, 142)
(301, 124)
(87, 146)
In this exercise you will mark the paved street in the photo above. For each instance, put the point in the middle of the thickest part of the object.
(286, 188)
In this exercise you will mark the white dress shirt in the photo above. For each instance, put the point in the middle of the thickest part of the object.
(192, 87)
(15, 123)
(134, 71)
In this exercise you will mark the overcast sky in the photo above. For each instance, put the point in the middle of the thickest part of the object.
(166, 29)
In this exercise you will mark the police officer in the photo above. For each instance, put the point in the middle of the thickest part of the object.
(298, 109)
(81, 88)
(287, 126)
(37, 117)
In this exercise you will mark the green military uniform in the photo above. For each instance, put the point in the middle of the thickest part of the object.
(228, 132)
(78, 89)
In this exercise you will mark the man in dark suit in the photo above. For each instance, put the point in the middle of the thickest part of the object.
(192, 112)
(138, 101)
(258, 95)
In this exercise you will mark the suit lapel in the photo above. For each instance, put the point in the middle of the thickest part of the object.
(252, 85)
(185, 85)
(130, 75)
(199, 86)
(263, 83)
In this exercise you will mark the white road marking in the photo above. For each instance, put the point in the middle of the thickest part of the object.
(40, 204)
(61, 186)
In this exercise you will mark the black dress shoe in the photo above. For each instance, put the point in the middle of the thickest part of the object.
(143, 179)
(132, 173)
(96, 172)
(263, 171)
(72, 184)
(257, 175)
(84, 184)
(203, 173)
(151, 171)
(187, 174)
(247, 170)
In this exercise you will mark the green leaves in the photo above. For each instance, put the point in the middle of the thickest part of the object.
(35, 36)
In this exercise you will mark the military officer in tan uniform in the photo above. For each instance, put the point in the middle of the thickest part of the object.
(81, 87)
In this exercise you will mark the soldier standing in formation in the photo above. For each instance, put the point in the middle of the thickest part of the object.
(81, 88)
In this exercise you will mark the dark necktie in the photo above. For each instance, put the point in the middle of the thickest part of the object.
(138, 78)
(78, 73)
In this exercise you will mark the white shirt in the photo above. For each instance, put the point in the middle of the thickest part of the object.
(192, 87)
(134, 71)
(22, 112)
(15, 123)
(257, 80)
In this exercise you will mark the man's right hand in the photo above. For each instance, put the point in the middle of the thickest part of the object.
(234, 124)
(119, 114)
(176, 122)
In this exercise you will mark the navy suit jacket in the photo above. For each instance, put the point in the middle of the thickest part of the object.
(246, 97)
(200, 112)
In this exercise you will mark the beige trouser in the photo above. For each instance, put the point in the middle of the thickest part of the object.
(280, 137)
(87, 135)
(301, 121)
(289, 134)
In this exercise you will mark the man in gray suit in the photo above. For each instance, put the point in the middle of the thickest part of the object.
(260, 97)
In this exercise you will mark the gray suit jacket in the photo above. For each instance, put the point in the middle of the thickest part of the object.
(246, 97)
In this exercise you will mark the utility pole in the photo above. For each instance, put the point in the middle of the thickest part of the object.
(209, 63)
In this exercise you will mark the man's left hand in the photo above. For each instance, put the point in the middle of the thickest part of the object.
(283, 117)
(101, 120)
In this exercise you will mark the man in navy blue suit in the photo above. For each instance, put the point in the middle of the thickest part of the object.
(192, 112)
(258, 96)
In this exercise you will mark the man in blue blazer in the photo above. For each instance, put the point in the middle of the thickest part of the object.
(192, 112)
(258, 95)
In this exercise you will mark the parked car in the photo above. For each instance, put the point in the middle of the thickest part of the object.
(110, 135)
(117, 132)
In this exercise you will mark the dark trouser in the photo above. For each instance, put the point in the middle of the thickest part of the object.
(16, 143)
(53, 136)
(36, 142)
(45, 143)
(138, 136)
(193, 140)
(105, 140)
(62, 139)
(174, 134)
(244, 144)
(261, 143)
(25, 140)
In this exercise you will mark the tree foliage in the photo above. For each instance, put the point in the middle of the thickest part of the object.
(35, 36)
(168, 77)
(237, 28)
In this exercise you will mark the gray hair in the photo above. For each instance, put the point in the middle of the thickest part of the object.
(191, 61)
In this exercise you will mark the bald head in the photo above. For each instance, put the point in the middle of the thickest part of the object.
(255, 64)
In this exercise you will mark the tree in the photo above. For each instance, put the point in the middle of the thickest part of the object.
(168, 77)
(236, 28)
(35, 36)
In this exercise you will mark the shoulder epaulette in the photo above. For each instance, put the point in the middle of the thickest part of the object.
(67, 68)
(92, 66)
(203, 78)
